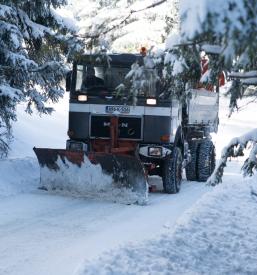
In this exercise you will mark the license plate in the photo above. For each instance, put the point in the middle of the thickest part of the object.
(118, 109)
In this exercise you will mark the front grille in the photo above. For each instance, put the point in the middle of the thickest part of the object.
(129, 127)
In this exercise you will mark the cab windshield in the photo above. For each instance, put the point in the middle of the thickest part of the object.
(100, 80)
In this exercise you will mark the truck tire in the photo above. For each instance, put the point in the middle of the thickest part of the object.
(191, 168)
(172, 172)
(206, 159)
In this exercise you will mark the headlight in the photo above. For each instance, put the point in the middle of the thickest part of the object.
(155, 151)
(76, 145)
(82, 98)
(151, 101)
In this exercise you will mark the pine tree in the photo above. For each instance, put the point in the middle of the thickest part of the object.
(229, 29)
(124, 25)
(34, 41)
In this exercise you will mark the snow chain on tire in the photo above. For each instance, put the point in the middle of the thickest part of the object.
(172, 172)
(206, 159)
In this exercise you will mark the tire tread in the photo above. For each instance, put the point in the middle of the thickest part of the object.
(191, 168)
(170, 184)
(206, 160)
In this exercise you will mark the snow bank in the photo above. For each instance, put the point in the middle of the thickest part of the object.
(18, 176)
(217, 236)
(47, 131)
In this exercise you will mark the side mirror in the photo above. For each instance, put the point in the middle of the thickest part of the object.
(68, 81)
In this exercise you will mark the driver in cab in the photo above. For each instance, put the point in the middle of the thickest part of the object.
(91, 80)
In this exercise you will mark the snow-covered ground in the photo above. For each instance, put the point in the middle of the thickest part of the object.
(40, 131)
(42, 233)
(216, 236)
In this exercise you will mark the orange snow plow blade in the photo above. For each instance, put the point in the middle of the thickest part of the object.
(114, 177)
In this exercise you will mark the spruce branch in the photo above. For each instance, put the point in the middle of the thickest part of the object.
(122, 22)
(236, 148)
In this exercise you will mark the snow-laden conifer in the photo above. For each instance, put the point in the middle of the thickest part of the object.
(125, 26)
(34, 41)
(227, 30)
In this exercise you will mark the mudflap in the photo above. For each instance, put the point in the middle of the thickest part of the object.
(115, 177)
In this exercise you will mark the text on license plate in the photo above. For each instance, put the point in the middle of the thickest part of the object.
(119, 109)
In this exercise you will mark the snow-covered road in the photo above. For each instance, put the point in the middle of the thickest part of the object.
(49, 234)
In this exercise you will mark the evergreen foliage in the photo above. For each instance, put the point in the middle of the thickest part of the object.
(182, 71)
(227, 28)
(232, 25)
(236, 148)
(34, 41)
(125, 26)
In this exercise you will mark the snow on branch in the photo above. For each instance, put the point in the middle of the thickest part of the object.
(35, 43)
(8, 91)
(150, 6)
(4, 147)
(212, 49)
(236, 148)
(63, 22)
(249, 74)
(122, 22)
(250, 81)
(246, 78)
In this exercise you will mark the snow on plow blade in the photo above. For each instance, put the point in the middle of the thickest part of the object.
(118, 178)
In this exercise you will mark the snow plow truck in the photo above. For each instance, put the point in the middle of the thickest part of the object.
(130, 136)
